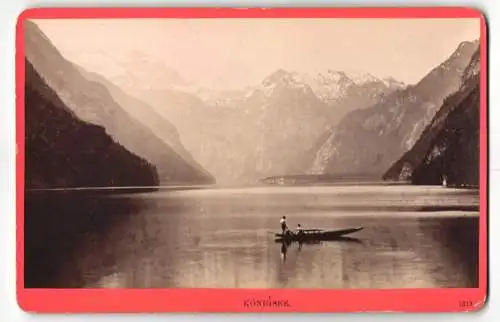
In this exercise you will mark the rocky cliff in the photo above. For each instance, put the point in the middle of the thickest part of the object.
(449, 146)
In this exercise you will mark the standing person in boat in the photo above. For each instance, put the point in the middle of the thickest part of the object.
(284, 227)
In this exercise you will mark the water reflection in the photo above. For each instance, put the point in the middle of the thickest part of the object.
(284, 249)
(198, 239)
(287, 244)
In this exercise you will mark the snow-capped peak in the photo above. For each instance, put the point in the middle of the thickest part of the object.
(361, 78)
(334, 76)
(330, 85)
(282, 78)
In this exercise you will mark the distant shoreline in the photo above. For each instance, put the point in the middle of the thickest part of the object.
(349, 180)
(143, 189)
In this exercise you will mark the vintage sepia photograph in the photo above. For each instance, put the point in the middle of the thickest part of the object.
(252, 153)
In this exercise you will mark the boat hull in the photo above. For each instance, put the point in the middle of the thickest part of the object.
(317, 235)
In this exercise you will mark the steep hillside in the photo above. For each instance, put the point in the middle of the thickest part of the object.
(367, 141)
(92, 102)
(146, 115)
(63, 151)
(449, 146)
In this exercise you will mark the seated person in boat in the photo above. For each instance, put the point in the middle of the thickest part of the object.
(283, 224)
(299, 230)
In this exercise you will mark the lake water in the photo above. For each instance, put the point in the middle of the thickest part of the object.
(413, 236)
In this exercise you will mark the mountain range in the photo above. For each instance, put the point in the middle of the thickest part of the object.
(137, 72)
(367, 141)
(242, 135)
(291, 123)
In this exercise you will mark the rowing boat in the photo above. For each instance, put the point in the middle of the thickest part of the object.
(316, 234)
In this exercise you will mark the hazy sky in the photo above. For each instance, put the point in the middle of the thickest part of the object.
(234, 52)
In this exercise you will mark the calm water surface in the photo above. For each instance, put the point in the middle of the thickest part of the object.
(413, 237)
